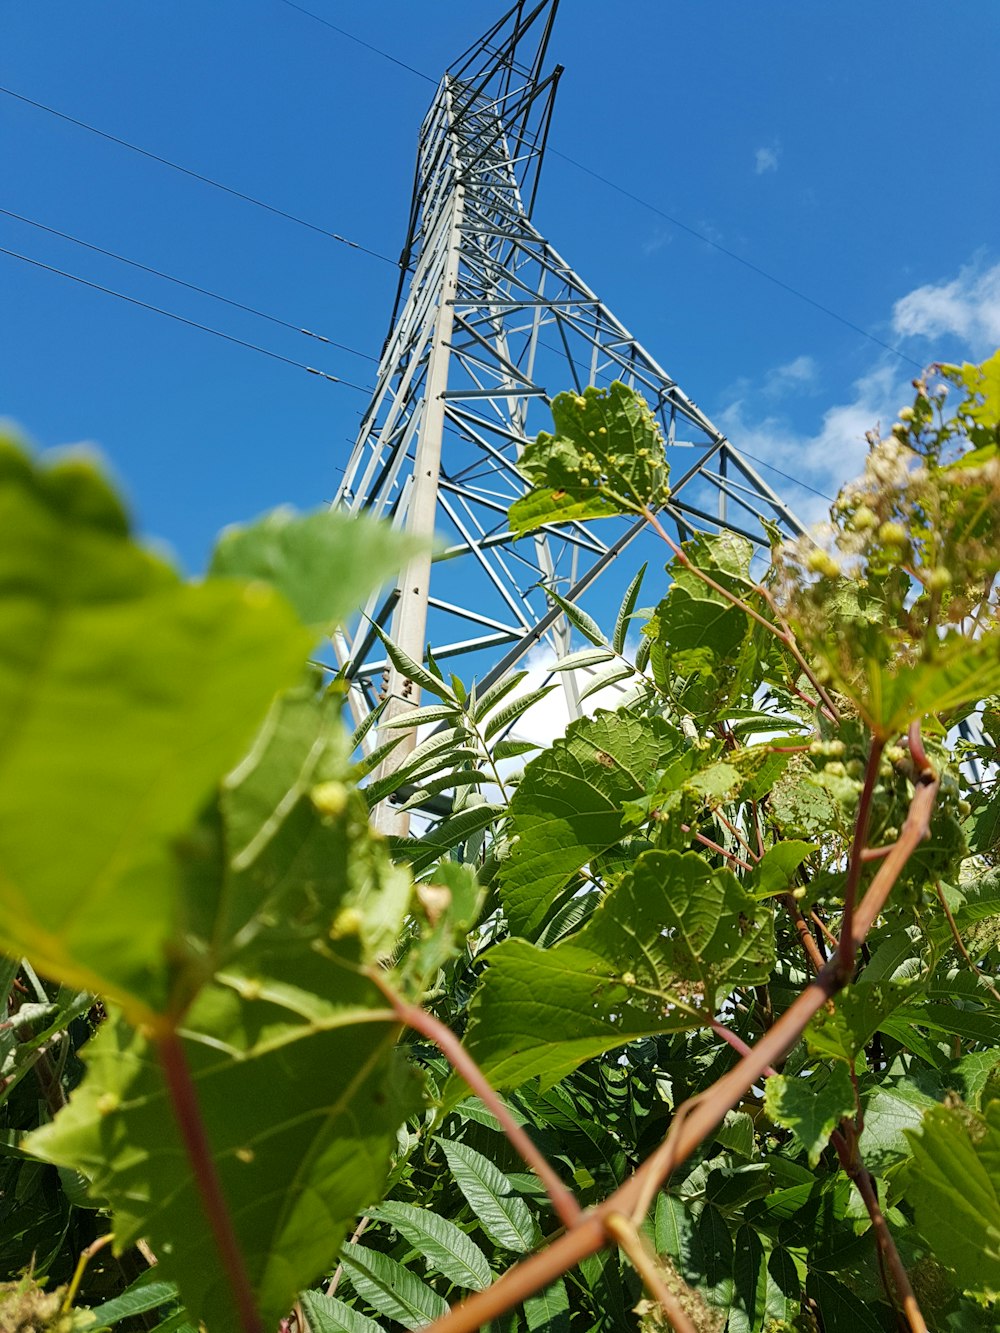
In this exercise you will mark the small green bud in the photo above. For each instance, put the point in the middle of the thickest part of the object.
(822, 562)
(863, 518)
(893, 534)
(939, 579)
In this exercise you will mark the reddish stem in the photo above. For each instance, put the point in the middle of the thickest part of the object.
(847, 947)
(184, 1100)
(563, 1200)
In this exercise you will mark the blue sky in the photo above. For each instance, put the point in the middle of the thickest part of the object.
(847, 149)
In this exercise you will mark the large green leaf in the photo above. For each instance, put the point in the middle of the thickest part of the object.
(325, 563)
(446, 1247)
(568, 807)
(504, 1216)
(954, 1185)
(124, 695)
(654, 957)
(548, 1310)
(327, 1314)
(289, 1043)
(607, 457)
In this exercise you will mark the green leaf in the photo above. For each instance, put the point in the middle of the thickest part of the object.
(143, 1295)
(411, 670)
(954, 1186)
(579, 619)
(812, 1106)
(962, 671)
(494, 694)
(613, 675)
(859, 1011)
(783, 1286)
(513, 749)
(841, 1310)
(124, 695)
(584, 657)
(503, 1215)
(568, 806)
(447, 1249)
(749, 1283)
(327, 1314)
(776, 869)
(548, 1310)
(392, 1289)
(625, 612)
(653, 957)
(512, 710)
(325, 563)
(607, 457)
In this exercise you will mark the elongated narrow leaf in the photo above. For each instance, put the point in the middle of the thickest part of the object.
(587, 625)
(548, 1310)
(494, 694)
(392, 1289)
(446, 1247)
(514, 709)
(141, 1296)
(503, 1214)
(625, 612)
(325, 563)
(583, 657)
(513, 749)
(613, 676)
(411, 670)
(362, 730)
(327, 1314)
(418, 717)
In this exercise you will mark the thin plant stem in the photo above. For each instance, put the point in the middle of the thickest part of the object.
(846, 948)
(960, 945)
(86, 1255)
(737, 1043)
(411, 1015)
(622, 1231)
(809, 945)
(717, 847)
(736, 834)
(184, 1099)
(338, 1272)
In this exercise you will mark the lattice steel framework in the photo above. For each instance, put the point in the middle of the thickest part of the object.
(490, 321)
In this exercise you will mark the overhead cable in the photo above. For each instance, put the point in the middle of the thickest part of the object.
(191, 287)
(198, 176)
(181, 319)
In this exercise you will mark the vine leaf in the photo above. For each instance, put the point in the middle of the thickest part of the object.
(503, 1215)
(811, 1108)
(568, 806)
(954, 1185)
(104, 653)
(654, 957)
(320, 562)
(607, 457)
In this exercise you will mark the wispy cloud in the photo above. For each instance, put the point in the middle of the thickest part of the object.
(793, 375)
(656, 241)
(968, 307)
(766, 158)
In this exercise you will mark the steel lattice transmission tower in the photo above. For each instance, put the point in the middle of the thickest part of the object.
(490, 322)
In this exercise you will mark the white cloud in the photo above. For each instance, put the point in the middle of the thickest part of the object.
(656, 241)
(766, 159)
(967, 307)
(796, 374)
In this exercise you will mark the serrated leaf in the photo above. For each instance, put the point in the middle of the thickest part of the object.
(775, 871)
(151, 689)
(625, 612)
(327, 1314)
(583, 657)
(143, 1295)
(858, 1013)
(811, 1107)
(504, 1216)
(954, 1186)
(653, 957)
(607, 457)
(514, 709)
(749, 1283)
(604, 679)
(392, 1289)
(842, 1311)
(494, 694)
(447, 1249)
(513, 749)
(418, 717)
(325, 563)
(411, 670)
(568, 806)
(548, 1310)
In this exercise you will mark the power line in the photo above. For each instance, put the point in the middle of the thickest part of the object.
(367, 45)
(191, 287)
(645, 203)
(181, 319)
(198, 176)
(787, 475)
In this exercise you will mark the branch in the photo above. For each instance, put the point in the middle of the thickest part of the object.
(563, 1200)
(847, 948)
(622, 1230)
(184, 1100)
(696, 1118)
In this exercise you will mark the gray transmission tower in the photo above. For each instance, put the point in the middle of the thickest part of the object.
(490, 323)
